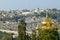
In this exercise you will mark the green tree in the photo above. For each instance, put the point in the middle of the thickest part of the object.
(33, 35)
(28, 37)
(5, 36)
(48, 34)
(22, 30)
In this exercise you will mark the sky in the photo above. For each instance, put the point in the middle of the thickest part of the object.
(28, 4)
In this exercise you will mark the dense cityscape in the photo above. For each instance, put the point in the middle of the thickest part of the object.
(9, 21)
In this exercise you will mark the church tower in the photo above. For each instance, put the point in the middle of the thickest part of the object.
(46, 23)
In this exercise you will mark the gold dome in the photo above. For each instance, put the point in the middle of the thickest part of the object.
(46, 22)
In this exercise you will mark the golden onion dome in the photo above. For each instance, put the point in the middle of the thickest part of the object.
(47, 21)
(43, 22)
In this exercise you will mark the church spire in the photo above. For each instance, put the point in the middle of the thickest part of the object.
(46, 13)
(46, 22)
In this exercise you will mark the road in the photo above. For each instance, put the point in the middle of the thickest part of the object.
(9, 31)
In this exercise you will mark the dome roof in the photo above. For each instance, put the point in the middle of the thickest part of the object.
(46, 20)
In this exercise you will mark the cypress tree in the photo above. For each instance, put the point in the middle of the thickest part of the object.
(22, 30)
